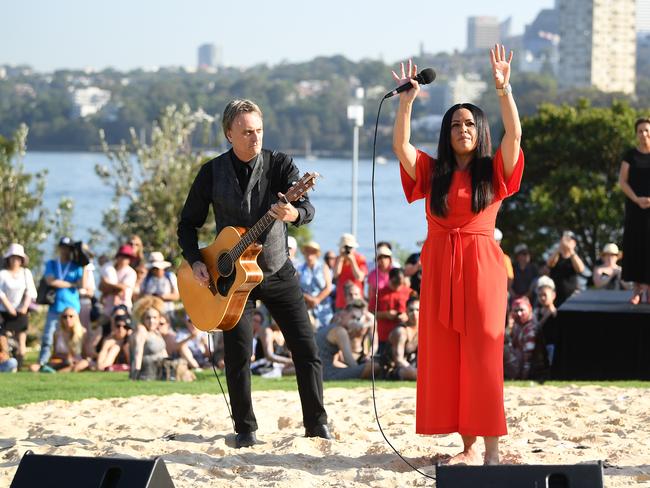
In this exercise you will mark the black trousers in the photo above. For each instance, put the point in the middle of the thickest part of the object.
(282, 296)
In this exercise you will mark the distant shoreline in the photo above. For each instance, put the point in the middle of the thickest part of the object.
(296, 153)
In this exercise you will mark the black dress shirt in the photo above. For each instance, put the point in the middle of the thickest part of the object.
(283, 172)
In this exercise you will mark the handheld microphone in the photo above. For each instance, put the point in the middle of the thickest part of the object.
(424, 77)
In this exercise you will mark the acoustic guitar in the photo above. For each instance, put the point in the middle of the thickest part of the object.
(232, 265)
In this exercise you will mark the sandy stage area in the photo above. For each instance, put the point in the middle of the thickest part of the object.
(193, 434)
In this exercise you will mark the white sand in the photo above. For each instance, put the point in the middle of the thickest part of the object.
(193, 434)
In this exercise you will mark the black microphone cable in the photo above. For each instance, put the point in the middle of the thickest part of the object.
(374, 326)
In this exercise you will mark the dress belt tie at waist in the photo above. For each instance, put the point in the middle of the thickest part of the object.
(451, 305)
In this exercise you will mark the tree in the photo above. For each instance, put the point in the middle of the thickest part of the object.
(573, 156)
(24, 219)
(150, 182)
(61, 223)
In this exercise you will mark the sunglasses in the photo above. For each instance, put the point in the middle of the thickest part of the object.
(121, 326)
(68, 316)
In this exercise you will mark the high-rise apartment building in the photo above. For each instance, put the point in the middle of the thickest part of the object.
(598, 44)
(209, 56)
(482, 32)
(643, 16)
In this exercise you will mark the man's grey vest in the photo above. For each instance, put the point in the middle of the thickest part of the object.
(232, 208)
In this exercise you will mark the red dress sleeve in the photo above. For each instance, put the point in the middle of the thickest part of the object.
(503, 188)
(420, 187)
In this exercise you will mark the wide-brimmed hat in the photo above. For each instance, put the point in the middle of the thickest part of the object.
(348, 240)
(127, 251)
(312, 245)
(16, 249)
(157, 260)
(384, 251)
(610, 248)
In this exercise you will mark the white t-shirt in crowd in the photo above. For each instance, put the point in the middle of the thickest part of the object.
(13, 287)
(126, 276)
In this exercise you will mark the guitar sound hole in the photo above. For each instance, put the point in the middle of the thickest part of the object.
(225, 265)
(224, 283)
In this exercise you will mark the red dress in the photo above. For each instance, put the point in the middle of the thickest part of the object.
(462, 307)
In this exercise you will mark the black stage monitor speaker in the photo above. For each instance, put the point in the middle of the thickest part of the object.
(521, 476)
(44, 471)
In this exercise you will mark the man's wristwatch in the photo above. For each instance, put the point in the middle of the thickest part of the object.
(504, 90)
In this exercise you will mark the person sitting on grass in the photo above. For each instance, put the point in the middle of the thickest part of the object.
(192, 345)
(335, 339)
(114, 353)
(8, 364)
(360, 342)
(147, 343)
(276, 360)
(400, 359)
(520, 347)
(68, 339)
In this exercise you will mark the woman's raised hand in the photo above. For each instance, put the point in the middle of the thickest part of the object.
(405, 77)
(500, 65)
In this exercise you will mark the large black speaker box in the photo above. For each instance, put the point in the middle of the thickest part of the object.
(520, 476)
(44, 471)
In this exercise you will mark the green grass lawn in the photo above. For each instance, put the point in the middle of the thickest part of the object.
(26, 387)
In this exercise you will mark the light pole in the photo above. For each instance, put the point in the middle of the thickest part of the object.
(355, 113)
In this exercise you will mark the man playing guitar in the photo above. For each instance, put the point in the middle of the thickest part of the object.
(242, 185)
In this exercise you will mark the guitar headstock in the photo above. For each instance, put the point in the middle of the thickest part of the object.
(302, 186)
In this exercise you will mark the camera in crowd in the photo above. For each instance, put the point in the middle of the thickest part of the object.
(346, 250)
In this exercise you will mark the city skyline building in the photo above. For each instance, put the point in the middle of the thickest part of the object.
(482, 32)
(643, 17)
(540, 43)
(209, 56)
(597, 44)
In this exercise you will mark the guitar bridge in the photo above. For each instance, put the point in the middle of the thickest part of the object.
(212, 287)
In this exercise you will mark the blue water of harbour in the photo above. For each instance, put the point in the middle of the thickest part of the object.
(72, 175)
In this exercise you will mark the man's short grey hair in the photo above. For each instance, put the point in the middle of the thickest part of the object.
(234, 108)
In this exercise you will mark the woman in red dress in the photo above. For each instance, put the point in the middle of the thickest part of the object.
(464, 282)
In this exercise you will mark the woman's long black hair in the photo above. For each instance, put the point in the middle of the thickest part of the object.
(480, 167)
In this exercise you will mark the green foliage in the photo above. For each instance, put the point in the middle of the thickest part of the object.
(573, 155)
(302, 234)
(61, 223)
(24, 219)
(150, 181)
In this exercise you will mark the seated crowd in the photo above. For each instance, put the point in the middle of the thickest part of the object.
(132, 320)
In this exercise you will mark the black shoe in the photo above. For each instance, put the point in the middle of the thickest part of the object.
(320, 430)
(245, 439)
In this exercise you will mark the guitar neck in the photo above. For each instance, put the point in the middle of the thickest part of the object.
(297, 190)
(252, 234)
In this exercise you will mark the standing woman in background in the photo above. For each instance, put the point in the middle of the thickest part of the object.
(464, 282)
(17, 291)
(634, 179)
